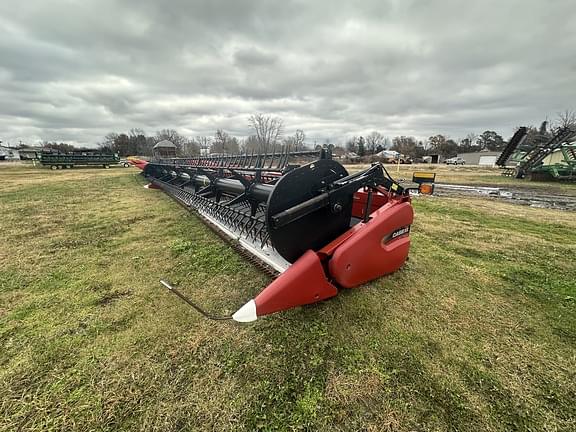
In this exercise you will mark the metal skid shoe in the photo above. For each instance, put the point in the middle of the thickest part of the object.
(315, 226)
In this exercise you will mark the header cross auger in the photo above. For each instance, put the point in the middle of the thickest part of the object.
(314, 226)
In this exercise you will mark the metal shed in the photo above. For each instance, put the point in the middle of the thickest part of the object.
(485, 158)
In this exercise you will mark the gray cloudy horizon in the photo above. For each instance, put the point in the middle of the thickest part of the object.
(73, 71)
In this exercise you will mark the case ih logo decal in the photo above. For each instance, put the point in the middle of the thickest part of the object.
(395, 234)
(401, 231)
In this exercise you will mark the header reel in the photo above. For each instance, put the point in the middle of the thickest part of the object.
(314, 224)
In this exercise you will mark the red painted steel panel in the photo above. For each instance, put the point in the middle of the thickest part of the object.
(139, 163)
(304, 282)
(360, 200)
(370, 252)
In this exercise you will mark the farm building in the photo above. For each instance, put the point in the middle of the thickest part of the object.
(433, 159)
(8, 153)
(485, 158)
(164, 148)
(30, 153)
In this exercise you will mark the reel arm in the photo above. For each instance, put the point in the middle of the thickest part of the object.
(337, 192)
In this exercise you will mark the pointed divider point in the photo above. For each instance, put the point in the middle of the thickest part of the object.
(246, 313)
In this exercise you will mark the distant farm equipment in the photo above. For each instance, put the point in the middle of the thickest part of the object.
(552, 159)
(56, 160)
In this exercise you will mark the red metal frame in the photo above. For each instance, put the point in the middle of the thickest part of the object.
(366, 251)
(304, 282)
(138, 163)
(371, 249)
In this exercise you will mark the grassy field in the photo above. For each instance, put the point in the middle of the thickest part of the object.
(476, 333)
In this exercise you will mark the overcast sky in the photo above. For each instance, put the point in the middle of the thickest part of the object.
(75, 70)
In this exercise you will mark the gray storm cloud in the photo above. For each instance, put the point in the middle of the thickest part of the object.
(76, 70)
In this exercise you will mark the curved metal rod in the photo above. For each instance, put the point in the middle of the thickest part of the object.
(195, 306)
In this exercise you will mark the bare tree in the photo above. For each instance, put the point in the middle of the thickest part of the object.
(407, 145)
(250, 144)
(374, 140)
(137, 132)
(204, 143)
(150, 142)
(565, 119)
(299, 138)
(190, 148)
(109, 140)
(295, 142)
(289, 144)
(268, 130)
(224, 143)
(219, 142)
(351, 146)
(137, 138)
(361, 146)
(468, 144)
(472, 137)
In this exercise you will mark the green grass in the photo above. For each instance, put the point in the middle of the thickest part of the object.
(476, 332)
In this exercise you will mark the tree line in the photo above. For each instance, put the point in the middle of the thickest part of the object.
(443, 145)
(267, 137)
(440, 144)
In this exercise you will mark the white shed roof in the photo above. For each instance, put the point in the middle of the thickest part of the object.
(165, 144)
